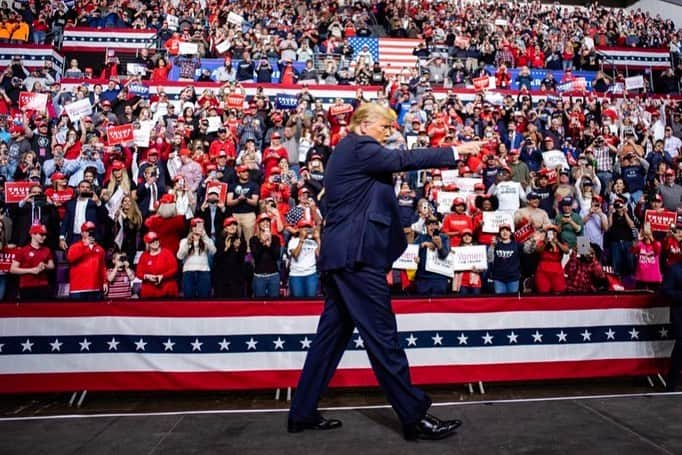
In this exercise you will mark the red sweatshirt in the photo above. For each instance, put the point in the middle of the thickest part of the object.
(163, 263)
(87, 270)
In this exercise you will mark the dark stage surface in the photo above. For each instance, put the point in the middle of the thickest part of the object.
(627, 424)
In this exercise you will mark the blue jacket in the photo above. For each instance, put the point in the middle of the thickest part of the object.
(362, 219)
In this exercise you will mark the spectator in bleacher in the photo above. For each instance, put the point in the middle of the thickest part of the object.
(430, 283)
(35, 208)
(194, 252)
(504, 258)
(468, 282)
(161, 71)
(120, 277)
(242, 199)
(230, 256)
(33, 263)
(87, 269)
(647, 255)
(584, 272)
(303, 251)
(157, 268)
(265, 249)
(549, 275)
(621, 227)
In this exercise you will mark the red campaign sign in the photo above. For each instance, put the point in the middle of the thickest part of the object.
(121, 134)
(481, 83)
(29, 101)
(462, 41)
(16, 191)
(524, 232)
(222, 187)
(660, 221)
(6, 257)
(235, 101)
(339, 109)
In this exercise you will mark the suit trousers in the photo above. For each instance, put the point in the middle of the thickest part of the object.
(358, 298)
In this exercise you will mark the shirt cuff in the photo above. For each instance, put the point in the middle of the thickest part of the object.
(455, 155)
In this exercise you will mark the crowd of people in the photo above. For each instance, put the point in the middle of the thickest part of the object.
(584, 193)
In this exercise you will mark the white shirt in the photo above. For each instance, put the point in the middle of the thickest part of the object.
(672, 145)
(79, 215)
(306, 263)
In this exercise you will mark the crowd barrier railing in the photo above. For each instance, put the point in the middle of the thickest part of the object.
(235, 345)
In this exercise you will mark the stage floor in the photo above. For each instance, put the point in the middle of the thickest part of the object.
(628, 424)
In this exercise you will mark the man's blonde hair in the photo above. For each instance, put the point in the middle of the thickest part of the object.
(371, 112)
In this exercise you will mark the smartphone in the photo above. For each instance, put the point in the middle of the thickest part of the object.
(583, 246)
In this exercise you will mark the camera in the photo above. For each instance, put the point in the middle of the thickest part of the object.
(550, 235)
(436, 232)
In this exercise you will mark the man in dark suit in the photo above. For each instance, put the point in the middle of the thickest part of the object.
(149, 191)
(212, 211)
(86, 207)
(362, 238)
(35, 209)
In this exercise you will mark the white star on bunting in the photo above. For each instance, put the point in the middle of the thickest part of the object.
(663, 332)
(513, 338)
(561, 336)
(487, 338)
(462, 338)
(634, 334)
(27, 346)
(305, 343)
(359, 342)
(113, 344)
(279, 343)
(610, 335)
(537, 337)
(251, 344)
(587, 335)
(412, 340)
(224, 345)
(196, 345)
(56, 345)
(437, 340)
(140, 345)
(85, 344)
(168, 345)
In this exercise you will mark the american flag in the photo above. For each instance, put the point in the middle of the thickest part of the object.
(238, 345)
(294, 215)
(33, 56)
(394, 54)
(635, 58)
(85, 39)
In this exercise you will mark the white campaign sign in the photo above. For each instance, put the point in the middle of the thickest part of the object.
(407, 260)
(173, 22)
(445, 199)
(449, 176)
(234, 18)
(466, 184)
(78, 109)
(434, 264)
(492, 220)
(634, 82)
(554, 158)
(214, 124)
(469, 258)
(185, 48)
(224, 46)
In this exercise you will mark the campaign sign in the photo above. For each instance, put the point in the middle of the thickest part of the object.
(185, 48)
(140, 90)
(554, 158)
(6, 257)
(214, 124)
(16, 191)
(449, 176)
(235, 101)
(492, 220)
(141, 137)
(407, 260)
(445, 199)
(524, 232)
(29, 101)
(634, 82)
(78, 109)
(120, 134)
(469, 258)
(339, 109)
(286, 101)
(434, 264)
(481, 83)
(222, 187)
(660, 221)
(466, 184)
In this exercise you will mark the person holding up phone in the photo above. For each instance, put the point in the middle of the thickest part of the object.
(549, 275)
(570, 223)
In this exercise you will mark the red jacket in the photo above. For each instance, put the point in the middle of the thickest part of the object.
(169, 229)
(87, 270)
(163, 264)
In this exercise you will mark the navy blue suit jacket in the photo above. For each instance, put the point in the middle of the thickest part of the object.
(93, 212)
(362, 224)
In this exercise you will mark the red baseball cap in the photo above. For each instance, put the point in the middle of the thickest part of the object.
(150, 236)
(37, 229)
(262, 216)
(195, 221)
(87, 226)
(304, 223)
(57, 176)
(118, 165)
(230, 220)
(167, 199)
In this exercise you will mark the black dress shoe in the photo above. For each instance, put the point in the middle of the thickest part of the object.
(320, 424)
(431, 428)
